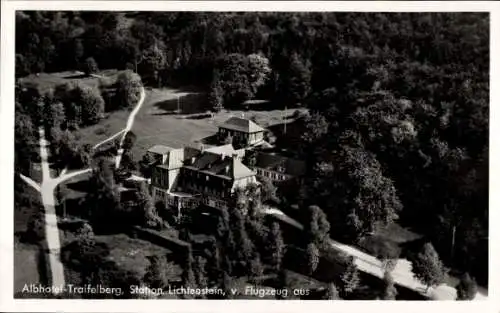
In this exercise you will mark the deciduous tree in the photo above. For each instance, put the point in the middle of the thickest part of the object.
(128, 89)
(331, 292)
(316, 226)
(159, 272)
(54, 115)
(130, 139)
(428, 267)
(350, 278)
(255, 268)
(216, 96)
(90, 102)
(389, 292)
(312, 258)
(276, 246)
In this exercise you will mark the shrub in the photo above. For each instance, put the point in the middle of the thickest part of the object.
(467, 288)
(36, 224)
(90, 66)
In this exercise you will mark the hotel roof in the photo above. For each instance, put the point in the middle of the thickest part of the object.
(242, 125)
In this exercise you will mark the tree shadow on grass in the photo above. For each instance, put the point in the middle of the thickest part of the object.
(210, 140)
(187, 104)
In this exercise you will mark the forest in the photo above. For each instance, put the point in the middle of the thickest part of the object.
(398, 123)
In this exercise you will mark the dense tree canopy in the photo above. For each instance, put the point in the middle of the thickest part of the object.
(398, 102)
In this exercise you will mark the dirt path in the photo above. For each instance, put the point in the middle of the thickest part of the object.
(51, 230)
(48, 186)
(130, 124)
(108, 139)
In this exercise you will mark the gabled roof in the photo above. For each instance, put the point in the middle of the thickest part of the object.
(239, 170)
(224, 166)
(225, 149)
(160, 149)
(242, 125)
(275, 162)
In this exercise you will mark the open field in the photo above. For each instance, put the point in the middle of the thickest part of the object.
(26, 258)
(26, 255)
(158, 123)
(46, 81)
(167, 116)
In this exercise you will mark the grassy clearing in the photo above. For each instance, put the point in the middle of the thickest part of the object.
(26, 255)
(47, 81)
(25, 265)
(159, 123)
(165, 118)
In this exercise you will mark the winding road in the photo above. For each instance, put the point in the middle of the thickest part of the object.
(48, 186)
(130, 123)
(402, 273)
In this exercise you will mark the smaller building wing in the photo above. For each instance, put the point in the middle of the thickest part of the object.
(160, 149)
(242, 125)
(278, 163)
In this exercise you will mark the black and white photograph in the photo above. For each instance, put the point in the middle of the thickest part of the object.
(251, 155)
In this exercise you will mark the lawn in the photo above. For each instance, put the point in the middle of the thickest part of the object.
(47, 81)
(26, 255)
(159, 123)
(167, 115)
(26, 258)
